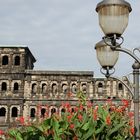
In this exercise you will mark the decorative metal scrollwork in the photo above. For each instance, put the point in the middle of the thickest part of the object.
(113, 41)
(136, 50)
(107, 72)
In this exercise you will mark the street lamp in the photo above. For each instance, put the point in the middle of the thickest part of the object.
(113, 12)
(113, 20)
(106, 57)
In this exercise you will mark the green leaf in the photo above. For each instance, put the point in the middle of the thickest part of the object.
(90, 131)
(85, 126)
(99, 130)
(42, 138)
(115, 129)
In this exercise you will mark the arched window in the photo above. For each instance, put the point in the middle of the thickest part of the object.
(16, 86)
(17, 61)
(43, 111)
(74, 88)
(64, 88)
(34, 88)
(120, 86)
(53, 110)
(44, 88)
(100, 87)
(72, 110)
(2, 112)
(5, 60)
(84, 110)
(14, 112)
(4, 86)
(63, 110)
(54, 88)
(32, 113)
(84, 88)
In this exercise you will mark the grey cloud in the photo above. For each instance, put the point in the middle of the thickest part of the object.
(61, 33)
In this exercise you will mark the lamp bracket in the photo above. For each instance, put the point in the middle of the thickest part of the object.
(107, 71)
(136, 50)
(113, 41)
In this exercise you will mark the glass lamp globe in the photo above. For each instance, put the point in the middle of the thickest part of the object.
(105, 55)
(113, 16)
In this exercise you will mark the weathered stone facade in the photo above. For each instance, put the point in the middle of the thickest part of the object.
(22, 88)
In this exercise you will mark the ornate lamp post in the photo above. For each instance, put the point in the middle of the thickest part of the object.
(113, 20)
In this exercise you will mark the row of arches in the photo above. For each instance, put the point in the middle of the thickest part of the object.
(14, 112)
(65, 88)
(33, 111)
(53, 88)
(100, 86)
(49, 112)
(4, 86)
(16, 60)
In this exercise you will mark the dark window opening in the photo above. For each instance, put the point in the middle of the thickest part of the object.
(114, 98)
(32, 114)
(4, 86)
(16, 86)
(100, 85)
(84, 88)
(17, 61)
(43, 111)
(5, 60)
(44, 88)
(64, 88)
(120, 86)
(53, 110)
(91, 101)
(84, 110)
(63, 110)
(2, 112)
(54, 88)
(100, 88)
(74, 88)
(14, 112)
(72, 110)
(34, 88)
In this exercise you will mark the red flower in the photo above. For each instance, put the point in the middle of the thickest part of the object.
(95, 116)
(76, 109)
(132, 130)
(131, 114)
(81, 107)
(69, 118)
(131, 123)
(89, 104)
(125, 102)
(108, 120)
(80, 117)
(1, 132)
(67, 105)
(112, 108)
(119, 110)
(21, 120)
(71, 126)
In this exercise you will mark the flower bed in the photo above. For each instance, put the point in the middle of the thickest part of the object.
(84, 122)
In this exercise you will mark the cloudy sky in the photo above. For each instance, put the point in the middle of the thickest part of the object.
(61, 34)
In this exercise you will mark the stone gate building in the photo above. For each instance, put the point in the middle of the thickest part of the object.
(22, 88)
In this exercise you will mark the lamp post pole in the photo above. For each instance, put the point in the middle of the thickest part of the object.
(136, 67)
(113, 20)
